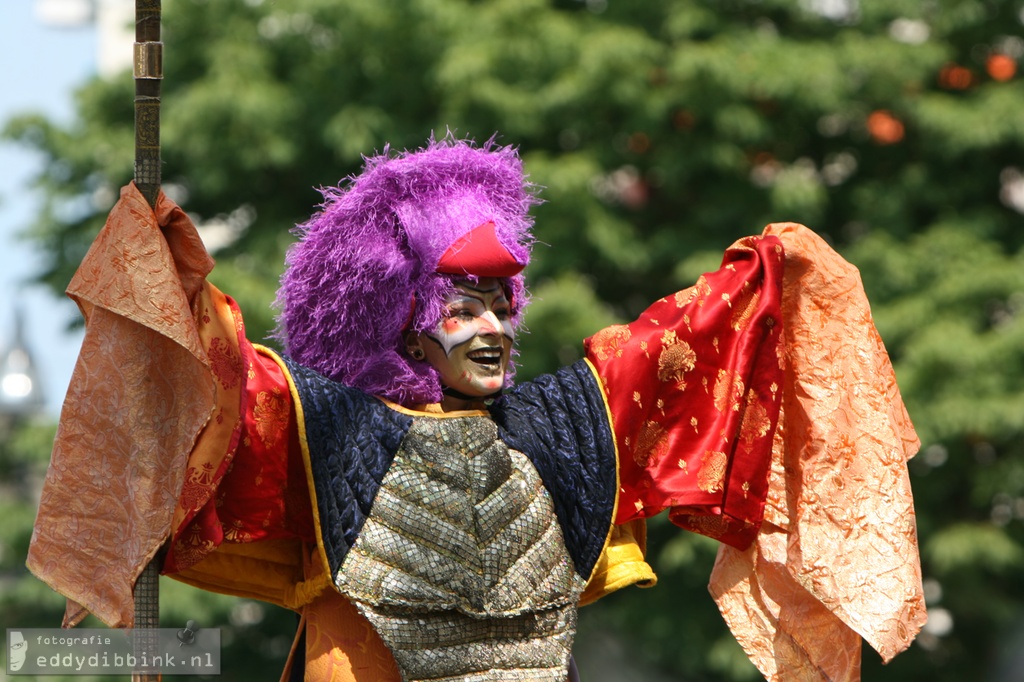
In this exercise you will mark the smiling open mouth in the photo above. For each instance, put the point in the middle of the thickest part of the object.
(490, 356)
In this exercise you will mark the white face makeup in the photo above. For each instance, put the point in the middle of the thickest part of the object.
(470, 348)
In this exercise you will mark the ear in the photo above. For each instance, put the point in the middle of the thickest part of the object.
(414, 345)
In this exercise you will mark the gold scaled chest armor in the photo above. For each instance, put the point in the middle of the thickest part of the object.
(461, 566)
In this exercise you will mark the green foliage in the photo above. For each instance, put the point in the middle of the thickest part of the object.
(661, 131)
(563, 311)
(970, 545)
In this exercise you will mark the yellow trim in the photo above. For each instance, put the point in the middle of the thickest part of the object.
(621, 562)
(300, 421)
(430, 413)
(615, 445)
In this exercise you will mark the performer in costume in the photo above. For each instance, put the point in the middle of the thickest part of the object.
(428, 524)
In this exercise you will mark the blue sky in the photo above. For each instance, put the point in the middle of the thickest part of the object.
(39, 69)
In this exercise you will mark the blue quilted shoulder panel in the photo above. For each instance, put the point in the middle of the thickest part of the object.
(559, 421)
(352, 439)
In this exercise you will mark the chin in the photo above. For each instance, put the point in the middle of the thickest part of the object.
(482, 389)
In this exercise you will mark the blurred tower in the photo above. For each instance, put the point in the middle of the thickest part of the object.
(21, 393)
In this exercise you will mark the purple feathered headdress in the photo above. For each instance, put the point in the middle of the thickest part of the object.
(365, 267)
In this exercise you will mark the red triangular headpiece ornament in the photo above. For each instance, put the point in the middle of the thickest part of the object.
(479, 253)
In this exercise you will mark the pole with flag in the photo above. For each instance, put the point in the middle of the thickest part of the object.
(141, 355)
(148, 72)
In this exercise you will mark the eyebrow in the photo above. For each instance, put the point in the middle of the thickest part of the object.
(467, 296)
(469, 285)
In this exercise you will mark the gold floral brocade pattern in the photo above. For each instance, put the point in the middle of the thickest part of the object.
(198, 480)
(698, 293)
(743, 309)
(728, 391)
(608, 342)
(225, 362)
(677, 382)
(711, 475)
(192, 547)
(675, 360)
(651, 444)
(756, 422)
(271, 415)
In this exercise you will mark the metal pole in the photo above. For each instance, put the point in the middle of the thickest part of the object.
(148, 68)
(148, 71)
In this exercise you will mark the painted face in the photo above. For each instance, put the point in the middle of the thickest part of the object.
(470, 348)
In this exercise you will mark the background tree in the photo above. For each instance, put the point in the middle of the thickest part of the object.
(661, 131)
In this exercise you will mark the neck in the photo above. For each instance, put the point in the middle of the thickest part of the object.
(454, 400)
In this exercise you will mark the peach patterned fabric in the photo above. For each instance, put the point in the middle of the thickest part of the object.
(837, 557)
(126, 427)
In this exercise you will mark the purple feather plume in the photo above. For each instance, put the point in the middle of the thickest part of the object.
(349, 282)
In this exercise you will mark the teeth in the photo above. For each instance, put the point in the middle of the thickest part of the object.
(485, 354)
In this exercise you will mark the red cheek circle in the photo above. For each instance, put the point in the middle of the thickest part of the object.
(450, 325)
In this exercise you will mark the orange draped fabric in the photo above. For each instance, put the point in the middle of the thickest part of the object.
(140, 393)
(837, 558)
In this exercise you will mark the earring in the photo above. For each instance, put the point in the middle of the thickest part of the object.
(417, 353)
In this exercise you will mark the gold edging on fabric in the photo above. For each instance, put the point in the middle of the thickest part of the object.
(436, 415)
(618, 483)
(300, 421)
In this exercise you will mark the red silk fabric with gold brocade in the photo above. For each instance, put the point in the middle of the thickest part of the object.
(693, 390)
(245, 481)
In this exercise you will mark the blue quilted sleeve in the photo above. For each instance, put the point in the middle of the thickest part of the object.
(351, 439)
